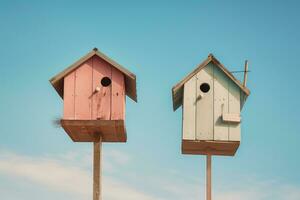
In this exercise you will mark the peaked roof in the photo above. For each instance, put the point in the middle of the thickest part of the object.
(130, 79)
(177, 90)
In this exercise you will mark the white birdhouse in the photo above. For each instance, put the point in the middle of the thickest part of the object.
(212, 99)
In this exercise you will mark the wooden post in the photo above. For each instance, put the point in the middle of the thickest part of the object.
(245, 73)
(208, 177)
(97, 170)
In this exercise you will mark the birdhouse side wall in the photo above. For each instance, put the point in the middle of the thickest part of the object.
(189, 110)
(226, 101)
(235, 108)
(204, 104)
(221, 97)
(85, 98)
(202, 111)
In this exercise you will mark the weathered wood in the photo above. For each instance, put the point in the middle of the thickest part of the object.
(177, 90)
(234, 113)
(204, 105)
(69, 96)
(87, 130)
(221, 82)
(231, 117)
(97, 186)
(130, 79)
(189, 110)
(83, 90)
(196, 147)
(208, 177)
(117, 95)
(101, 99)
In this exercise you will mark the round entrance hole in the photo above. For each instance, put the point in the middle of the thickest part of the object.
(105, 81)
(204, 87)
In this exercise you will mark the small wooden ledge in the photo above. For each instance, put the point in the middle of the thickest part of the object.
(224, 148)
(89, 130)
(231, 118)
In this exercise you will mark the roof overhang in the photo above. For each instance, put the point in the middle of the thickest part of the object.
(177, 90)
(130, 79)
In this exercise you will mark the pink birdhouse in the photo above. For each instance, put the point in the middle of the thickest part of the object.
(93, 90)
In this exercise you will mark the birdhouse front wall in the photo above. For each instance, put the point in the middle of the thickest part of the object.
(95, 90)
(208, 97)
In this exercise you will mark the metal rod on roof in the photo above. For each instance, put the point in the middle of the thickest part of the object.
(241, 71)
(245, 73)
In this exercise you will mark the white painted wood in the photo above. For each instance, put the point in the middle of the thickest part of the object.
(231, 117)
(189, 110)
(221, 81)
(234, 107)
(204, 105)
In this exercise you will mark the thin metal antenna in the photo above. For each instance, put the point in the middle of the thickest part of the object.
(245, 73)
(241, 71)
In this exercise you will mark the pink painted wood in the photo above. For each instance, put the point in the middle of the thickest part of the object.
(69, 97)
(118, 95)
(85, 98)
(101, 99)
(83, 90)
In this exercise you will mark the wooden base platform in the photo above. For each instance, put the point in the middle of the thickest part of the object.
(89, 130)
(224, 148)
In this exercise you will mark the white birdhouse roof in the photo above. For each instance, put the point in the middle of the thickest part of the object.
(177, 90)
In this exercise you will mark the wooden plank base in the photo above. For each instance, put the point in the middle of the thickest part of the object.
(89, 130)
(209, 147)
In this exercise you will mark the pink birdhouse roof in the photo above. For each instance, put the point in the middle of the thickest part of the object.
(177, 90)
(130, 79)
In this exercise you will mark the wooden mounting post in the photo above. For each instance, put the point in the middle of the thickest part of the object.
(208, 177)
(97, 170)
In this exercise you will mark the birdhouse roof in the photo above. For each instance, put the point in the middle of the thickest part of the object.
(130, 79)
(177, 90)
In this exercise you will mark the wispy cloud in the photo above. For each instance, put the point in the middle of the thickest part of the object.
(71, 173)
(63, 176)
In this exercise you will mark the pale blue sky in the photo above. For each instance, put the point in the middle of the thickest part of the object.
(159, 41)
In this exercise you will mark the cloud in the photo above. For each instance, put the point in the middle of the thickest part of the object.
(63, 176)
(46, 171)
(261, 190)
(71, 173)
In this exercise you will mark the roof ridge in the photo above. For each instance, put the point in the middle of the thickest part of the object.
(130, 78)
(177, 90)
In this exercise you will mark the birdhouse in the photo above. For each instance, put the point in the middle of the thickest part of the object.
(212, 99)
(93, 90)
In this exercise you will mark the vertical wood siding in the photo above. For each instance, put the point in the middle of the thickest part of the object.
(83, 90)
(204, 105)
(234, 107)
(202, 112)
(69, 96)
(220, 104)
(83, 102)
(189, 110)
(101, 99)
(118, 95)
